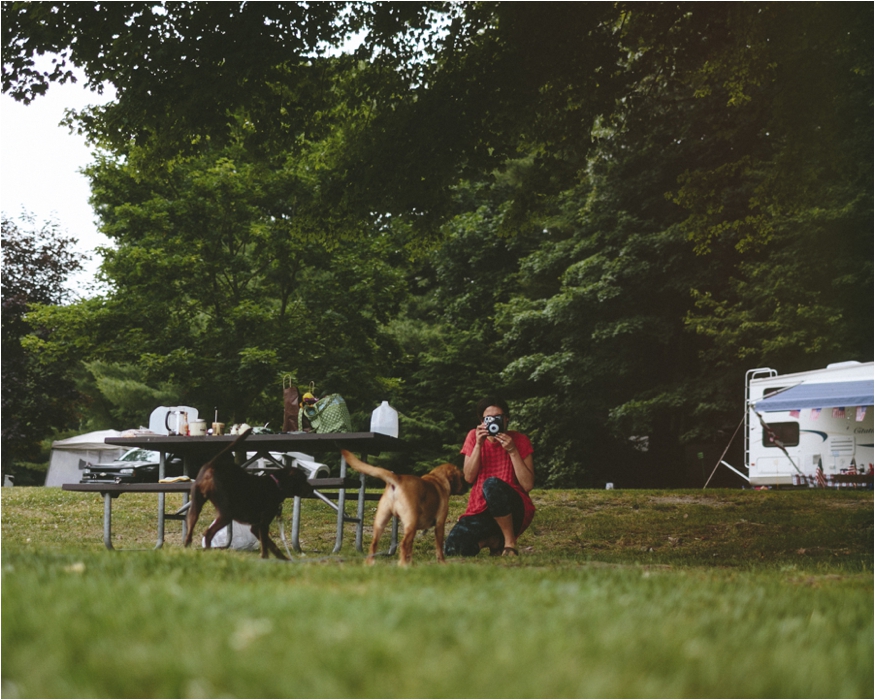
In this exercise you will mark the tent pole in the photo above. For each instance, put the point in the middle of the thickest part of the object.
(719, 461)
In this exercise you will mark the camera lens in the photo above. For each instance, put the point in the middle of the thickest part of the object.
(493, 424)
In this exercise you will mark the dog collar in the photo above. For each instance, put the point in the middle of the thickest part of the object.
(275, 480)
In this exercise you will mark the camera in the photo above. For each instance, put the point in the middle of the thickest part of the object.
(494, 424)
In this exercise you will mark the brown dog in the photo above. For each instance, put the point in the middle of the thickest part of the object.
(239, 495)
(419, 503)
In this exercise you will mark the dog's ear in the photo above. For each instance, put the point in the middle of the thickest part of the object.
(460, 484)
(294, 482)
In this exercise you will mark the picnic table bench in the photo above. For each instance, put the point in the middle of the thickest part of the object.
(198, 450)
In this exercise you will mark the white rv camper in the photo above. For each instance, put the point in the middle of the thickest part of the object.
(797, 423)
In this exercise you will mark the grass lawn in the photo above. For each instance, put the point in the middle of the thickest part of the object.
(616, 594)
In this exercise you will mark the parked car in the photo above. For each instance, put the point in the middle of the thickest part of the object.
(133, 467)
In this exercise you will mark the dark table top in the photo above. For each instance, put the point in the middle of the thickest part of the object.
(310, 443)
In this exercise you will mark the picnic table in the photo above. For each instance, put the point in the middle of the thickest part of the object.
(195, 451)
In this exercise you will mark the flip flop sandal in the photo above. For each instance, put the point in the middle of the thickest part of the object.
(510, 552)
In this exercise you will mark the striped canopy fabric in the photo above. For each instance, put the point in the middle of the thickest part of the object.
(824, 395)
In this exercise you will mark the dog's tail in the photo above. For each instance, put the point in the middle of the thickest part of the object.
(232, 446)
(369, 469)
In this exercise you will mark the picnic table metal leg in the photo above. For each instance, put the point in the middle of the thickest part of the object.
(360, 514)
(161, 501)
(107, 520)
(185, 498)
(295, 535)
(160, 543)
(296, 525)
(341, 502)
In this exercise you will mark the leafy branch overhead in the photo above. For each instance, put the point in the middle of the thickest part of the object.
(607, 211)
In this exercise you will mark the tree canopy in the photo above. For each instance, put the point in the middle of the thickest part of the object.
(37, 259)
(607, 211)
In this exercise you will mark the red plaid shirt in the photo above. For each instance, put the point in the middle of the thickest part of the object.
(495, 461)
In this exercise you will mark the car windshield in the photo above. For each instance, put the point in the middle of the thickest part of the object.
(140, 455)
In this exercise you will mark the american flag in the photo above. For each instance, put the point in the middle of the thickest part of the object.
(818, 475)
(861, 414)
(815, 413)
(852, 469)
(838, 413)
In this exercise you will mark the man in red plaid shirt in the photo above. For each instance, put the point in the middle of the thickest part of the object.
(498, 462)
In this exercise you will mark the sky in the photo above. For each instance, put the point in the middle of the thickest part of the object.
(39, 169)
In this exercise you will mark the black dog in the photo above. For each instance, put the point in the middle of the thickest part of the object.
(239, 495)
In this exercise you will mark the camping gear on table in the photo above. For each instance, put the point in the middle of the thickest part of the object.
(384, 420)
(291, 405)
(180, 423)
(326, 415)
(308, 400)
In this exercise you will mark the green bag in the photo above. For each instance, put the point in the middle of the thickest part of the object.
(328, 415)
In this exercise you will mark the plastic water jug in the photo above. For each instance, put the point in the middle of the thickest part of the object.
(384, 419)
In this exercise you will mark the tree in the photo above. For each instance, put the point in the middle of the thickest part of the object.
(448, 86)
(654, 197)
(791, 198)
(721, 225)
(183, 58)
(718, 223)
(37, 398)
(226, 274)
(451, 352)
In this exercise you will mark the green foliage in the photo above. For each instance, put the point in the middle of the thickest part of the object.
(189, 60)
(225, 277)
(37, 396)
(124, 392)
(714, 229)
(790, 195)
(605, 211)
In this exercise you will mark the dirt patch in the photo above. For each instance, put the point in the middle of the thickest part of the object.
(585, 506)
(819, 581)
(688, 501)
(850, 504)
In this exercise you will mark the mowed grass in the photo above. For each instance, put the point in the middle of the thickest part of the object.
(616, 594)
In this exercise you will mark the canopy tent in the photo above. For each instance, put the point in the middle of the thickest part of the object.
(64, 466)
(819, 395)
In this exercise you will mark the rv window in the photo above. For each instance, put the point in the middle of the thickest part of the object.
(787, 433)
